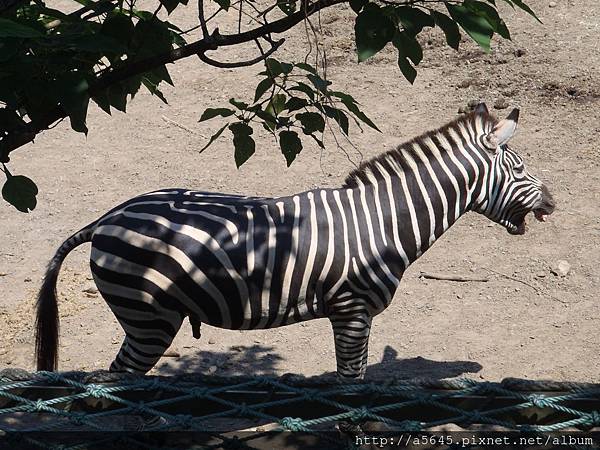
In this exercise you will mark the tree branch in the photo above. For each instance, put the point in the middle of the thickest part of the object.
(251, 62)
(31, 129)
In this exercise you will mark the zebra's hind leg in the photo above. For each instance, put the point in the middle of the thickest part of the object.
(351, 336)
(139, 354)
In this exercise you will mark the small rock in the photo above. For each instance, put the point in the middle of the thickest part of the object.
(501, 103)
(552, 4)
(90, 291)
(3, 274)
(171, 353)
(520, 52)
(561, 268)
(211, 341)
(27, 280)
(458, 296)
(540, 274)
(465, 83)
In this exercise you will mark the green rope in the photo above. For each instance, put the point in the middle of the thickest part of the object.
(563, 405)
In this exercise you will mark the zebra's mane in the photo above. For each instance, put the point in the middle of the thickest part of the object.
(366, 168)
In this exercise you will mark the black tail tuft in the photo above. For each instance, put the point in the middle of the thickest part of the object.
(46, 324)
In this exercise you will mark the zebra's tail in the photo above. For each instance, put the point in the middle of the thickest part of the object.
(46, 323)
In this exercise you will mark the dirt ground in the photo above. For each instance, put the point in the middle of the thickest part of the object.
(524, 322)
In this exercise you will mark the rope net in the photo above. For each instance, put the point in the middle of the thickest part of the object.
(102, 409)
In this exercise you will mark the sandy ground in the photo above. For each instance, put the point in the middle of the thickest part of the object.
(525, 322)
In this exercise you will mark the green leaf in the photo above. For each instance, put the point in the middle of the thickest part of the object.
(170, 5)
(449, 27)
(119, 27)
(73, 96)
(490, 14)
(244, 145)
(152, 86)
(150, 38)
(408, 47)
(357, 5)
(525, 8)
(306, 67)
(214, 137)
(273, 67)
(286, 67)
(263, 87)
(209, 113)
(311, 122)
(319, 82)
(413, 19)
(10, 29)
(407, 69)
(9, 120)
(339, 116)
(277, 103)
(290, 145)
(350, 103)
(117, 96)
(295, 103)
(373, 30)
(239, 105)
(224, 4)
(476, 26)
(305, 88)
(287, 6)
(102, 100)
(20, 192)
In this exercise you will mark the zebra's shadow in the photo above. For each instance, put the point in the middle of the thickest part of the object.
(263, 360)
(418, 367)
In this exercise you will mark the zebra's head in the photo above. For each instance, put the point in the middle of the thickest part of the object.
(512, 192)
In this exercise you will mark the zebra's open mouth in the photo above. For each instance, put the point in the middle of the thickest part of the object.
(520, 226)
(541, 214)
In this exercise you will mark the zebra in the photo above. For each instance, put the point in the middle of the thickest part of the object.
(239, 262)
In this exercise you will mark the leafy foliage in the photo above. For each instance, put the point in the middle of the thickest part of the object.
(289, 99)
(54, 62)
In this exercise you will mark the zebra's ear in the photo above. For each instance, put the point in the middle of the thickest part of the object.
(481, 109)
(504, 130)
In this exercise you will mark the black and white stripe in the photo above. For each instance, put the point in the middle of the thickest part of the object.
(245, 263)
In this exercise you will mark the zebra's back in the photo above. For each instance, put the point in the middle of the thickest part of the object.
(231, 261)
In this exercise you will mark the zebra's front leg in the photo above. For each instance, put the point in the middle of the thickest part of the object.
(351, 336)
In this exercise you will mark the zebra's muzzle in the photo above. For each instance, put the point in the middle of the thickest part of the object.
(541, 210)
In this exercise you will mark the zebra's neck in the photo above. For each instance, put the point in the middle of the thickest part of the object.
(423, 187)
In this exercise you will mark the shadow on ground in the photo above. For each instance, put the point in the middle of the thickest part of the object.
(263, 360)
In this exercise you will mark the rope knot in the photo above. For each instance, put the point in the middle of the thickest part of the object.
(40, 405)
(140, 407)
(96, 390)
(199, 392)
(292, 423)
(77, 419)
(243, 410)
(52, 377)
(185, 420)
(594, 417)
(410, 425)
(155, 384)
(538, 400)
(360, 413)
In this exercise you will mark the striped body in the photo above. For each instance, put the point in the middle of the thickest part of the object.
(247, 263)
